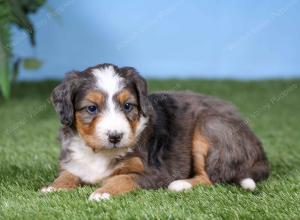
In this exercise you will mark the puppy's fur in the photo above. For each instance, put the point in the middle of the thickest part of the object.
(115, 134)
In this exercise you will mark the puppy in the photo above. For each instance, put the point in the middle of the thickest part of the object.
(115, 134)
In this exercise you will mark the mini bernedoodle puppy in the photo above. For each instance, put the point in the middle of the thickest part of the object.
(117, 135)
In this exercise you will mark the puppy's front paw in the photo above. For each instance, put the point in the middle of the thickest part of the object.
(97, 196)
(49, 189)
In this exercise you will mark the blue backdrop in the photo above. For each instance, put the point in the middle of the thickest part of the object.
(168, 38)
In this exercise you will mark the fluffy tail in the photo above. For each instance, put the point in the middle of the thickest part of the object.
(260, 171)
(248, 184)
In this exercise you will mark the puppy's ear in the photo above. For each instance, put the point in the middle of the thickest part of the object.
(62, 98)
(141, 87)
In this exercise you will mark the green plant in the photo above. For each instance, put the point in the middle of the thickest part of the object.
(15, 12)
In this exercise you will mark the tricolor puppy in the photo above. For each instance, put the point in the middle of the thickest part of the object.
(115, 134)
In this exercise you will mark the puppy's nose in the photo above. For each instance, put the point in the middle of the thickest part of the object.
(115, 137)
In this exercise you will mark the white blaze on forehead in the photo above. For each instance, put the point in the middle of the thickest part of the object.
(113, 119)
(108, 80)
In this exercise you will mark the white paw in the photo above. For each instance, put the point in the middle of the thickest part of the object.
(95, 196)
(48, 189)
(179, 185)
(248, 184)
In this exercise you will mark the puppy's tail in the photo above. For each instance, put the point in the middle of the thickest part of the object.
(248, 184)
(260, 171)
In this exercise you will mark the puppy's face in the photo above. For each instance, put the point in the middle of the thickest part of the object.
(109, 116)
(109, 106)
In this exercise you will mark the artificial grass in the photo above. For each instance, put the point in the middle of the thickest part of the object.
(29, 160)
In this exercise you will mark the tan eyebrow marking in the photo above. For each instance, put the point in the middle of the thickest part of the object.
(95, 97)
(124, 95)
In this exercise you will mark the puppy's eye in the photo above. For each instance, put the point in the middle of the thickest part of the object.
(128, 107)
(92, 109)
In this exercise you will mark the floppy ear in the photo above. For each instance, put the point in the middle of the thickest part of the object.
(62, 98)
(141, 88)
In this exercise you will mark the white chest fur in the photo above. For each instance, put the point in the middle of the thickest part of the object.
(91, 167)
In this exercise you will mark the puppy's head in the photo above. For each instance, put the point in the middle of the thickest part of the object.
(106, 105)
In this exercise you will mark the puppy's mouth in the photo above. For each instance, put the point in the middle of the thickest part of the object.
(114, 146)
(111, 148)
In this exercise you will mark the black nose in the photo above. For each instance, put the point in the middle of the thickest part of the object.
(115, 137)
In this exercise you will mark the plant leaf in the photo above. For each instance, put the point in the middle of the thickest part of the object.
(5, 82)
(22, 20)
(32, 63)
(4, 61)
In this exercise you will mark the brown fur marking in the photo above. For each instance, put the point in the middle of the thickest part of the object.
(83, 128)
(132, 165)
(118, 184)
(122, 180)
(134, 123)
(87, 130)
(95, 97)
(124, 95)
(66, 180)
(199, 151)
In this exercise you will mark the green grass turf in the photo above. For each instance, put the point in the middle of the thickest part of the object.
(29, 160)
